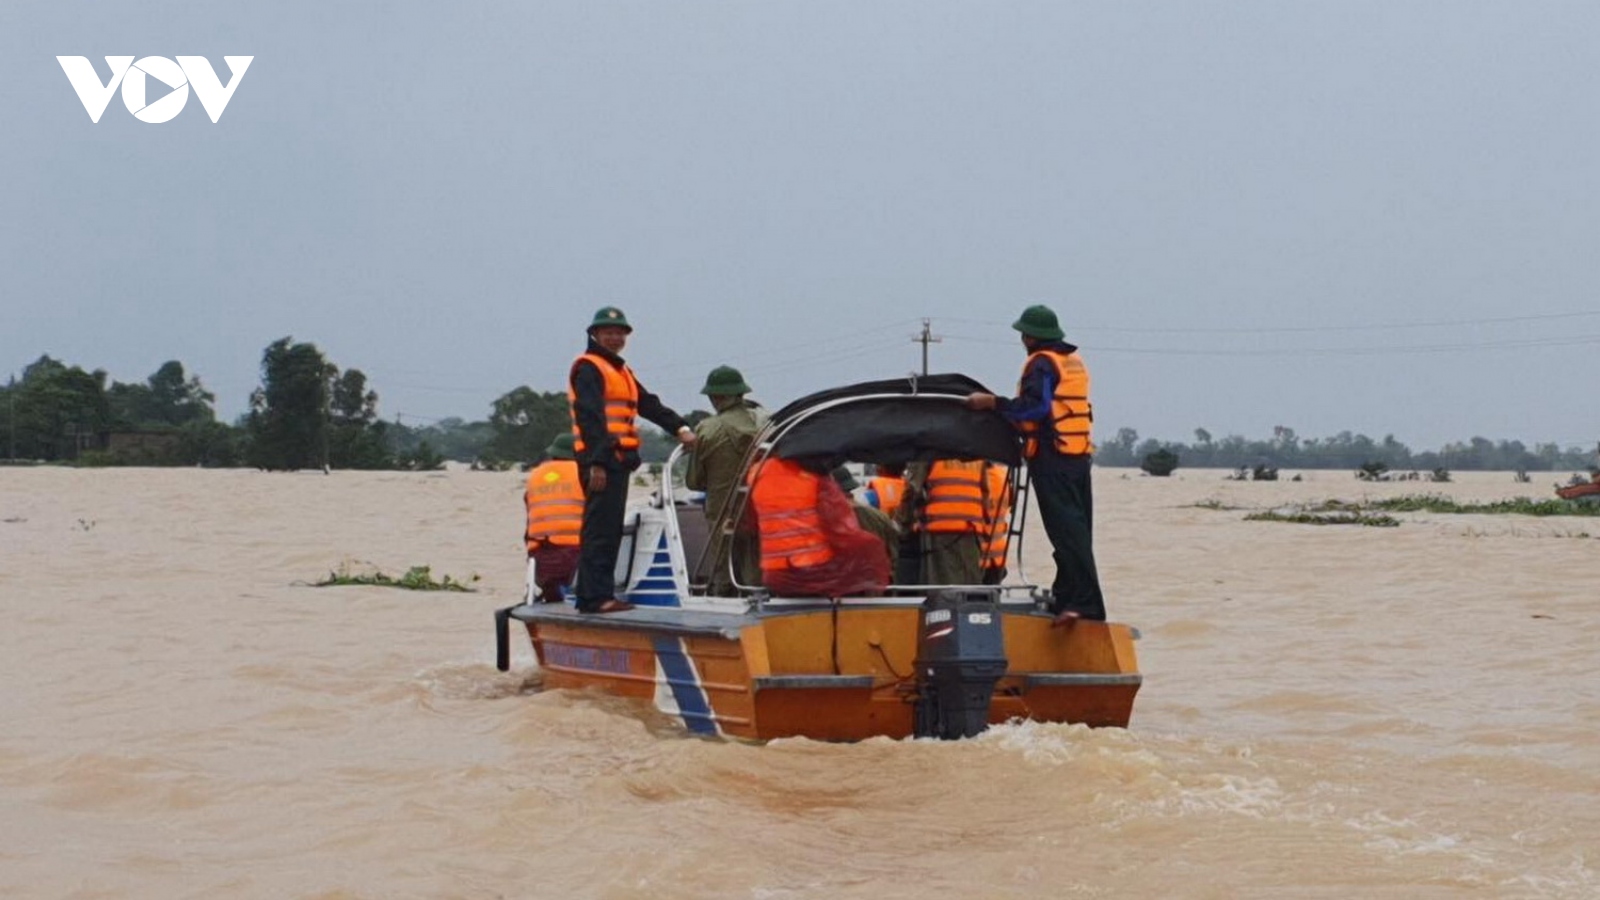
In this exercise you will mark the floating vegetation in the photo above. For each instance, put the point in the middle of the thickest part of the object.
(416, 578)
(1160, 463)
(1379, 471)
(1522, 506)
(1333, 517)
(1259, 473)
(1213, 503)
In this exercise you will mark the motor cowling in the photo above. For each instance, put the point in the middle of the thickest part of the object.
(960, 656)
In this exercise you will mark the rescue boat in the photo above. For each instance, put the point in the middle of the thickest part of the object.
(942, 661)
(1582, 489)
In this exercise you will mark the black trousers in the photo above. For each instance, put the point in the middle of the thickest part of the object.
(1066, 505)
(603, 513)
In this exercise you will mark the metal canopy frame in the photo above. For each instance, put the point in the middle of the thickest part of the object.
(767, 444)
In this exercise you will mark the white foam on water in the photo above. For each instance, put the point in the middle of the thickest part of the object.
(1576, 880)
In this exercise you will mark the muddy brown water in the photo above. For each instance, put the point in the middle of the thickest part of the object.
(1333, 712)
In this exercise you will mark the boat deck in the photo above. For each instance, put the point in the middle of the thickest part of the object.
(667, 620)
(676, 620)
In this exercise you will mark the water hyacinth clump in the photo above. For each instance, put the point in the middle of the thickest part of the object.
(416, 578)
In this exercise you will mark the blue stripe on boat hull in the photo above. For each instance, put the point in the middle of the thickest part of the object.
(685, 685)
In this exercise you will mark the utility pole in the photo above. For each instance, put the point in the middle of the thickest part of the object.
(925, 338)
(11, 418)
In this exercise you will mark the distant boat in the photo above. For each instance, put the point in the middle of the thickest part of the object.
(1574, 491)
(920, 660)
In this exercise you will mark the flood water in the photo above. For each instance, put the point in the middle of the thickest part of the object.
(1328, 712)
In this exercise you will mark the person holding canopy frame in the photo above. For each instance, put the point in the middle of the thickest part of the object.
(1053, 413)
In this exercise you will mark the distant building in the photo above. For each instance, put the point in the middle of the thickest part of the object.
(138, 444)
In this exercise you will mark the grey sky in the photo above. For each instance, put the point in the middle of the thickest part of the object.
(1379, 217)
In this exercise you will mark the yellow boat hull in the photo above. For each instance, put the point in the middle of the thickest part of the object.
(835, 674)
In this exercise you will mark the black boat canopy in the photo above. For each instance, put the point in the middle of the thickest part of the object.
(921, 419)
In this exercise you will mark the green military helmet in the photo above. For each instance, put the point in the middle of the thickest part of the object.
(561, 447)
(610, 315)
(1039, 321)
(725, 381)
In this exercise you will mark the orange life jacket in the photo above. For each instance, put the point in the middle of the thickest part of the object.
(622, 403)
(955, 497)
(785, 499)
(1071, 414)
(554, 497)
(997, 516)
(889, 491)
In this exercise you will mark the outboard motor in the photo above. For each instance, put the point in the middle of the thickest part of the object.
(960, 655)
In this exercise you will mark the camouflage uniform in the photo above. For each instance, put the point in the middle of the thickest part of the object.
(715, 466)
(945, 557)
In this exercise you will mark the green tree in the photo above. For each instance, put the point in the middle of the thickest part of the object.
(422, 459)
(451, 438)
(176, 398)
(357, 439)
(1160, 462)
(288, 421)
(56, 410)
(209, 443)
(168, 398)
(1119, 451)
(524, 424)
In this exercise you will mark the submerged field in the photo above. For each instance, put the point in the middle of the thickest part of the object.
(1406, 711)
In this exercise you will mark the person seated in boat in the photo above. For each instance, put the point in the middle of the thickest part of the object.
(873, 521)
(885, 488)
(944, 509)
(554, 500)
(811, 542)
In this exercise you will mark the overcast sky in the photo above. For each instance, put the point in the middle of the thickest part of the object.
(1373, 216)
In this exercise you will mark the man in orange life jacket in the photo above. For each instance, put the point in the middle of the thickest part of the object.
(998, 495)
(944, 508)
(554, 498)
(1053, 413)
(605, 400)
(812, 544)
(885, 488)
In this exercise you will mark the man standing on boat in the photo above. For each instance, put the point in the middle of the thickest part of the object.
(715, 467)
(605, 400)
(1053, 413)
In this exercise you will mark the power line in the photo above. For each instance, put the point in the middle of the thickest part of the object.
(760, 352)
(1366, 351)
(1293, 329)
(1564, 341)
